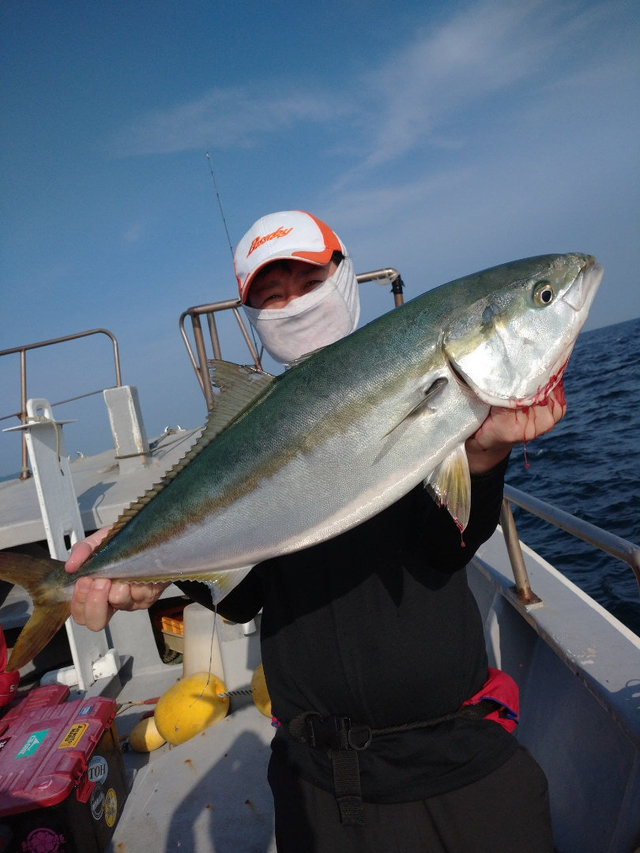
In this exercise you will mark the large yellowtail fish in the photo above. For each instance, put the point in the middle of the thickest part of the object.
(289, 461)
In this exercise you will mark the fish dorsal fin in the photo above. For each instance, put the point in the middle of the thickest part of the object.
(450, 484)
(237, 387)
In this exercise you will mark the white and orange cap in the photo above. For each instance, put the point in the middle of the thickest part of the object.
(288, 235)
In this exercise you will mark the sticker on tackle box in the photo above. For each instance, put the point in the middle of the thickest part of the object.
(73, 736)
(98, 769)
(32, 743)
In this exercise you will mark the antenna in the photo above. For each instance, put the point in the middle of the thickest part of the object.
(215, 186)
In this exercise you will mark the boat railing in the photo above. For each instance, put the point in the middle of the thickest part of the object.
(200, 347)
(608, 542)
(22, 352)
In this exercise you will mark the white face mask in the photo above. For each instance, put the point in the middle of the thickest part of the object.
(323, 316)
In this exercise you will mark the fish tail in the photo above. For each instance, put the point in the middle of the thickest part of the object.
(49, 612)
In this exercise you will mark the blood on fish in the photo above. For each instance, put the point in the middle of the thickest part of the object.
(552, 394)
(555, 381)
(559, 397)
(529, 416)
(463, 544)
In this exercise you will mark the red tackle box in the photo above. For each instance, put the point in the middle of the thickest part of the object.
(62, 780)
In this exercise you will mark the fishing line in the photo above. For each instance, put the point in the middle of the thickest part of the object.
(258, 345)
(215, 186)
(214, 639)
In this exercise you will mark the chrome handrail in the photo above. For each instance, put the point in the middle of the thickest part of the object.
(199, 358)
(22, 351)
(618, 547)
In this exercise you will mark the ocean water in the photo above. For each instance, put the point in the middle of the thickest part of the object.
(589, 465)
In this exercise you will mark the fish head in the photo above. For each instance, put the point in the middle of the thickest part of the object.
(512, 344)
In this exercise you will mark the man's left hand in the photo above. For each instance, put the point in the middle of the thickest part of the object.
(503, 429)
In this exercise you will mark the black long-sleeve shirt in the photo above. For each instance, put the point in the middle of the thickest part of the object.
(379, 624)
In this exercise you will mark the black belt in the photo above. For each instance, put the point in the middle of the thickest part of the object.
(344, 740)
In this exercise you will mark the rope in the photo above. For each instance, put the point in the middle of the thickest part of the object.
(239, 691)
(40, 419)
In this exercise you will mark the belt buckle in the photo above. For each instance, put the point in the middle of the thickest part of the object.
(352, 734)
(336, 732)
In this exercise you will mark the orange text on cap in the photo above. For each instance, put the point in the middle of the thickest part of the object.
(259, 241)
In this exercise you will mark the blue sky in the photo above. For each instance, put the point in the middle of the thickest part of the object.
(436, 138)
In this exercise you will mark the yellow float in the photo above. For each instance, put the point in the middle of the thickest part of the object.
(259, 692)
(144, 736)
(191, 705)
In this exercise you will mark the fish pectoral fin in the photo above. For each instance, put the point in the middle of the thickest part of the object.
(450, 485)
(424, 404)
(422, 407)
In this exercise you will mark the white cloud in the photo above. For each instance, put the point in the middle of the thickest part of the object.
(492, 56)
(489, 48)
(221, 118)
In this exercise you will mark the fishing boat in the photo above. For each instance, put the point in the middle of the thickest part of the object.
(577, 666)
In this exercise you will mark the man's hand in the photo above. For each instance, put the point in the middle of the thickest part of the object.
(95, 600)
(504, 428)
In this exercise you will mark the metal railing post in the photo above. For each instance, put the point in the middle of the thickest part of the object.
(608, 542)
(524, 592)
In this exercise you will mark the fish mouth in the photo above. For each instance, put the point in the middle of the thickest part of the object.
(585, 286)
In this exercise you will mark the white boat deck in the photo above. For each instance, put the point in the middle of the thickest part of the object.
(103, 486)
(208, 794)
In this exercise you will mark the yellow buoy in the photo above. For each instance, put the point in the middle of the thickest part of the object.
(259, 692)
(190, 706)
(144, 736)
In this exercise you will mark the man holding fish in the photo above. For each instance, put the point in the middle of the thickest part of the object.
(393, 734)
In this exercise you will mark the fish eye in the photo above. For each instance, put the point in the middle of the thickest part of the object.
(543, 293)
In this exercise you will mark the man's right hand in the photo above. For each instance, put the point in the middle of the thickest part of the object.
(95, 600)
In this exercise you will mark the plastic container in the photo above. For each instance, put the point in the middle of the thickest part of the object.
(62, 781)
